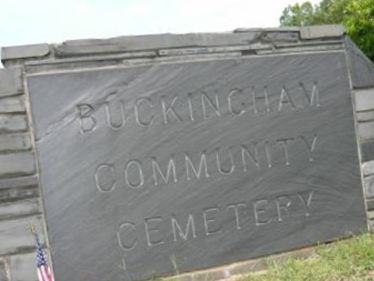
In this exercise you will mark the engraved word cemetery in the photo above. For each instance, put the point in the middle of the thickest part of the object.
(163, 155)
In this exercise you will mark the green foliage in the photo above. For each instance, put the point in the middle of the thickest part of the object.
(356, 15)
(359, 23)
(350, 259)
(298, 15)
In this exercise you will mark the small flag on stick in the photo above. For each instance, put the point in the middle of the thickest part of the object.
(43, 270)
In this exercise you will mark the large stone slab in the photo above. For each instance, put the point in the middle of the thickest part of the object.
(165, 168)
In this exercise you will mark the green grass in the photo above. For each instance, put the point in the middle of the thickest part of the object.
(351, 259)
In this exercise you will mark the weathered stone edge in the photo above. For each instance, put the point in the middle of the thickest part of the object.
(363, 101)
(11, 82)
(361, 68)
(18, 175)
(131, 44)
(25, 51)
(321, 31)
(20, 202)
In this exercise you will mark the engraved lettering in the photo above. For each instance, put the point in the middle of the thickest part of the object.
(268, 148)
(220, 161)
(138, 167)
(86, 119)
(283, 203)
(105, 178)
(126, 236)
(285, 98)
(197, 172)
(260, 210)
(208, 221)
(215, 106)
(311, 146)
(168, 109)
(236, 207)
(189, 101)
(306, 199)
(142, 122)
(313, 97)
(147, 111)
(152, 226)
(177, 229)
(219, 165)
(284, 143)
(252, 155)
(265, 98)
(165, 177)
(115, 113)
(229, 100)
(158, 230)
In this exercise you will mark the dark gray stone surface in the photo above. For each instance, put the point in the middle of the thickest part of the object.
(119, 152)
(361, 68)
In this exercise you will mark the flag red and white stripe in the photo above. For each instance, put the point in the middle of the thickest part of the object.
(45, 274)
(43, 270)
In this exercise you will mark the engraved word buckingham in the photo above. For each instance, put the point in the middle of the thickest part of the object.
(199, 105)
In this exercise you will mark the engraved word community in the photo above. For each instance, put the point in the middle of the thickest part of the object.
(257, 153)
(205, 164)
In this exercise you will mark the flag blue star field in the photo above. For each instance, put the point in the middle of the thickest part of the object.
(43, 270)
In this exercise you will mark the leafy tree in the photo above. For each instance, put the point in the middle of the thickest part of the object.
(298, 15)
(356, 15)
(360, 25)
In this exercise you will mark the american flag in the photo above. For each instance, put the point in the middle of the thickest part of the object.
(43, 270)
